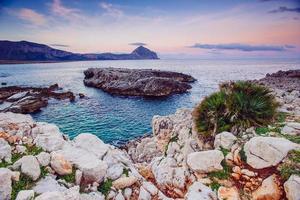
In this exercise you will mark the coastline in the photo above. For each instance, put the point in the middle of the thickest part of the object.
(172, 163)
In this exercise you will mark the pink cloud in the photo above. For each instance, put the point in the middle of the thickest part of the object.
(59, 9)
(31, 16)
(111, 9)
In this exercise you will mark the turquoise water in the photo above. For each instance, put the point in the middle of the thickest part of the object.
(117, 119)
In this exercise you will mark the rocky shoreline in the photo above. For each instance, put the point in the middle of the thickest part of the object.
(30, 99)
(137, 82)
(261, 163)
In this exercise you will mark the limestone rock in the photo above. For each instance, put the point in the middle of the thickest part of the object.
(269, 189)
(43, 158)
(199, 191)
(50, 196)
(119, 196)
(225, 193)
(48, 184)
(29, 166)
(115, 171)
(48, 137)
(92, 196)
(60, 164)
(127, 193)
(264, 152)
(150, 187)
(91, 143)
(124, 182)
(21, 149)
(144, 194)
(291, 187)
(205, 161)
(5, 151)
(224, 140)
(25, 195)
(5, 183)
(291, 128)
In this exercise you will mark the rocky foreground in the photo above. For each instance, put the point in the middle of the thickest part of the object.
(262, 163)
(137, 82)
(29, 99)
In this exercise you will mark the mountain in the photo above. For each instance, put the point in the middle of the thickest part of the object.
(33, 52)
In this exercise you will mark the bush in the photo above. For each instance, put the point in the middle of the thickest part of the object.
(237, 106)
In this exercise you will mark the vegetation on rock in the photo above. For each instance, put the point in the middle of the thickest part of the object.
(237, 106)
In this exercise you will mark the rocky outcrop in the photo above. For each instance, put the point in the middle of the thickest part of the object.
(291, 188)
(200, 191)
(265, 152)
(137, 82)
(284, 80)
(224, 140)
(29, 99)
(269, 189)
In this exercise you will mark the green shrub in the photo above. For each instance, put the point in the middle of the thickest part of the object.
(105, 187)
(237, 106)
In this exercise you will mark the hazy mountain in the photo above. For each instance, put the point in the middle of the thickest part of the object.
(29, 51)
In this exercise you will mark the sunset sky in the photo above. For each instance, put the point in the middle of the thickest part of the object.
(177, 28)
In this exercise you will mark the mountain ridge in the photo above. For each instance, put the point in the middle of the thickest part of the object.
(25, 51)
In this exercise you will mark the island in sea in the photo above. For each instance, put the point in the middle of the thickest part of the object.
(30, 52)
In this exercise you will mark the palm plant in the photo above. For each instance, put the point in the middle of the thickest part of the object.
(237, 106)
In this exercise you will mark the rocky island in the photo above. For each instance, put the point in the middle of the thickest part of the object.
(137, 82)
(30, 99)
(260, 162)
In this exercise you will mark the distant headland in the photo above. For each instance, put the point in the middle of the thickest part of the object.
(12, 52)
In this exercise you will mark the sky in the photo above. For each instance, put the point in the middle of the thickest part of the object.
(174, 29)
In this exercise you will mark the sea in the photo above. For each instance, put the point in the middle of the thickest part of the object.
(117, 119)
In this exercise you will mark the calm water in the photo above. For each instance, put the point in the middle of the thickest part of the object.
(117, 119)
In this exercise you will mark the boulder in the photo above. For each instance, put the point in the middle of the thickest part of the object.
(43, 158)
(262, 152)
(5, 183)
(199, 191)
(224, 140)
(25, 195)
(291, 128)
(93, 169)
(5, 151)
(48, 184)
(205, 161)
(21, 149)
(60, 164)
(119, 196)
(115, 171)
(269, 189)
(291, 187)
(92, 196)
(124, 182)
(29, 166)
(91, 143)
(137, 82)
(150, 187)
(50, 196)
(48, 137)
(144, 194)
(231, 193)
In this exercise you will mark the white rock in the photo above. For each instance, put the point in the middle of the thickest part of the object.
(29, 166)
(17, 96)
(78, 177)
(150, 187)
(43, 158)
(48, 137)
(21, 149)
(291, 187)
(224, 140)
(124, 182)
(127, 193)
(5, 183)
(51, 196)
(264, 152)
(199, 191)
(92, 196)
(225, 193)
(115, 171)
(60, 164)
(5, 151)
(25, 195)
(291, 128)
(93, 169)
(119, 196)
(163, 170)
(144, 194)
(205, 161)
(91, 143)
(269, 189)
(48, 184)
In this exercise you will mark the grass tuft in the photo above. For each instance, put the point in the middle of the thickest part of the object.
(105, 187)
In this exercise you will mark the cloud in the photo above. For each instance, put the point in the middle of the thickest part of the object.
(241, 47)
(59, 9)
(138, 44)
(59, 45)
(31, 16)
(111, 10)
(289, 46)
(285, 9)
